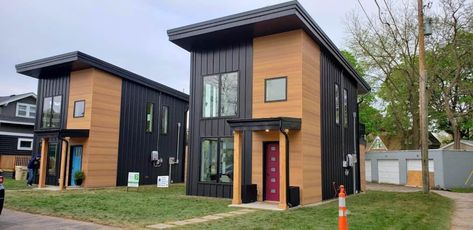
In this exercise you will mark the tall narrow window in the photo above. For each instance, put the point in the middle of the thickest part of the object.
(52, 150)
(345, 108)
(337, 104)
(149, 117)
(210, 102)
(46, 116)
(56, 112)
(164, 119)
(51, 117)
(208, 163)
(226, 160)
(229, 95)
(220, 95)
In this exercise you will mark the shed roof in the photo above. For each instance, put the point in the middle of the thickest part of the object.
(8, 99)
(77, 60)
(263, 21)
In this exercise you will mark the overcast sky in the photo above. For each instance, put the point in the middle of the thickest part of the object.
(130, 34)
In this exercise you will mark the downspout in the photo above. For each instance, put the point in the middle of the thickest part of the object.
(67, 150)
(287, 161)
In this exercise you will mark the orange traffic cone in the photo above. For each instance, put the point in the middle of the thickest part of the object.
(342, 210)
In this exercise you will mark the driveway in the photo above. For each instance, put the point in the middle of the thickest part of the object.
(463, 215)
(13, 220)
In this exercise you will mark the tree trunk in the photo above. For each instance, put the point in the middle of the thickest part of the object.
(456, 136)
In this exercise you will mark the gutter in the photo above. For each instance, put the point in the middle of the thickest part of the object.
(287, 161)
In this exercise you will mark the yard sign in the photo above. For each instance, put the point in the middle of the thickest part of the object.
(163, 181)
(133, 179)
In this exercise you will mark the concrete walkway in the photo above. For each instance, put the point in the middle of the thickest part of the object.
(391, 188)
(14, 220)
(201, 219)
(463, 214)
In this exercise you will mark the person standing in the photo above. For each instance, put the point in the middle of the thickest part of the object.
(33, 166)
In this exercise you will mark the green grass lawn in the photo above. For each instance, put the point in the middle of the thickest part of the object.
(150, 205)
(462, 190)
(12, 184)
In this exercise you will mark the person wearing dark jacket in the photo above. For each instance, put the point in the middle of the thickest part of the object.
(33, 166)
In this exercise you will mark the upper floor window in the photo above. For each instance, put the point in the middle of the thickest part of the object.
(164, 119)
(51, 116)
(149, 117)
(25, 110)
(79, 108)
(275, 89)
(337, 104)
(345, 108)
(220, 95)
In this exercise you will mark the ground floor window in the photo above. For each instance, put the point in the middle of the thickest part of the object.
(25, 144)
(217, 160)
(52, 156)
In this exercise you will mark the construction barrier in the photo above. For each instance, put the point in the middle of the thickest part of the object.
(342, 210)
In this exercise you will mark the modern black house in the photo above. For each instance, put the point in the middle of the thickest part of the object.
(17, 116)
(273, 108)
(106, 121)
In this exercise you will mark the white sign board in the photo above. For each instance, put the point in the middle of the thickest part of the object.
(133, 179)
(163, 181)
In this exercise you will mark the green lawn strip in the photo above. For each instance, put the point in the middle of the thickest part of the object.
(148, 205)
(373, 210)
(12, 184)
(462, 190)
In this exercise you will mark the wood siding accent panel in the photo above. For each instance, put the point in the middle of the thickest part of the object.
(361, 164)
(216, 58)
(7, 162)
(310, 126)
(81, 88)
(101, 151)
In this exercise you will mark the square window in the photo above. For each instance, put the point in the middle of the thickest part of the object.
(275, 89)
(79, 108)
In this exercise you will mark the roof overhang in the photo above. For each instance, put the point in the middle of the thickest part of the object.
(62, 133)
(260, 22)
(17, 98)
(77, 60)
(260, 124)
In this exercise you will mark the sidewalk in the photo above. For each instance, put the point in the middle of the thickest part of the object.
(463, 215)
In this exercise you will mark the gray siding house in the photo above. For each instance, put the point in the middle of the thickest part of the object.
(17, 117)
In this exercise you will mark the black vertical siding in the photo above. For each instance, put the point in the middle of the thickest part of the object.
(214, 60)
(135, 145)
(52, 83)
(337, 141)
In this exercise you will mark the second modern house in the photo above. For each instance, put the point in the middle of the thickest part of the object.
(273, 109)
(17, 117)
(105, 121)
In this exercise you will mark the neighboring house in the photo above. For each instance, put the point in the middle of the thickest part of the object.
(273, 108)
(464, 145)
(398, 142)
(17, 117)
(105, 121)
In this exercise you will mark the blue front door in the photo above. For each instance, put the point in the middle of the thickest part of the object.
(76, 162)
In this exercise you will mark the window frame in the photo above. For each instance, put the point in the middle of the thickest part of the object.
(219, 140)
(265, 89)
(337, 104)
(74, 110)
(345, 111)
(51, 112)
(28, 110)
(161, 120)
(147, 128)
(18, 147)
(219, 116)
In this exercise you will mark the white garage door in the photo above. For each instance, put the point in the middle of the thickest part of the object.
(368, 170)
(416, 165)
(388, 171)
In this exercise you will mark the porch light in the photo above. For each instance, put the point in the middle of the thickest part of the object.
(266, 130)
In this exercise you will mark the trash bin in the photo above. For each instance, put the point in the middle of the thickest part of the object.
(20, 172)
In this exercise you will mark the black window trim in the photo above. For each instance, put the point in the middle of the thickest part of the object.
(146, 118)
(74, 112)
(218, 160)
(346, 118)
(161, 120)
(219, 75)
(337, 122)
(265, 89)
(42, 109)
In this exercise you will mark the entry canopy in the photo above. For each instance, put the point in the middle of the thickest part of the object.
(260, 22)
(65, 132)
(259, 124)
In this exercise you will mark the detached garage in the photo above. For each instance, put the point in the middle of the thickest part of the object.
(447, 168)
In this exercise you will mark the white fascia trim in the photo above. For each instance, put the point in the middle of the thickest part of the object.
(16, 122)
(17, 134)
(24, 148)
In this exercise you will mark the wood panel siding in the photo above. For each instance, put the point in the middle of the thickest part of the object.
(310, 126)
(215, 58)
(81, 88)
(7, 162)
(414, 178)
(362, 166)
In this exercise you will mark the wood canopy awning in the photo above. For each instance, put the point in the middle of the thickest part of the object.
(259, 124)
(62, 133)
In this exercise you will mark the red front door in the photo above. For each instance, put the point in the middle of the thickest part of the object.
(272, 172)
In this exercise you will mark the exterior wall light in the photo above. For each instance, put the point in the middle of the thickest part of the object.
(428, 27)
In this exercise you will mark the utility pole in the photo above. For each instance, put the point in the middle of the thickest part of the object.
(424, 132)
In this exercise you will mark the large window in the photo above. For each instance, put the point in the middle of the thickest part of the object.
(217, 160)
(149, 117)
(25, 144)
(52, 154)
(164, 119)
(79, 108)
(275, 89)
(337, 104)
(220, 95)
(345, 108)
(25, 110)
(51, 116)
